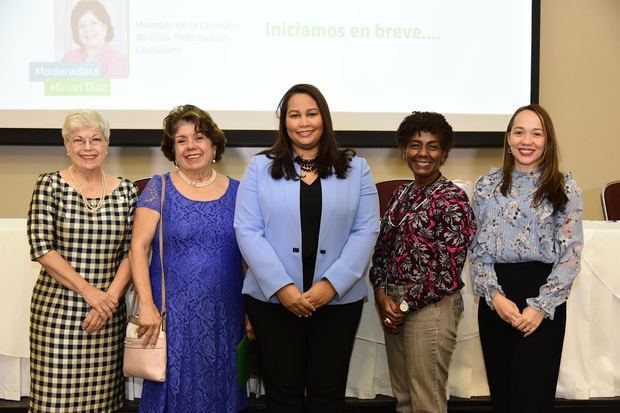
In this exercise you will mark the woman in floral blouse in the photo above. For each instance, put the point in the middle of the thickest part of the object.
(525, 257)
(417, 266)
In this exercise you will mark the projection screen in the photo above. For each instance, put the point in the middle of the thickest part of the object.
(474, 61)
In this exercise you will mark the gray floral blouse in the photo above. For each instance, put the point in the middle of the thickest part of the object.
(510, 230)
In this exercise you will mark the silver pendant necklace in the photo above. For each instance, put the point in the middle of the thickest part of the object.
(410, 212)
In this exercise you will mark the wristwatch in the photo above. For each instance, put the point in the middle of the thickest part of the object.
(404, 307)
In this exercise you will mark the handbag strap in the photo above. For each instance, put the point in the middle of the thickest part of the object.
(134, 303)
(161, 253)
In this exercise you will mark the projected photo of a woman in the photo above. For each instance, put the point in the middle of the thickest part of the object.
(93, 32)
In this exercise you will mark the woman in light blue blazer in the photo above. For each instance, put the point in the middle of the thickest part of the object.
(306, 220)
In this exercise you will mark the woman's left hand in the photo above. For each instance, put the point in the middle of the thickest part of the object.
(320, 293)
(101, 301)
(248, 328)
(93, 321)
(529, 320)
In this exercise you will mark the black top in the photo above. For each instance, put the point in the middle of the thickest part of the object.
(310, 203)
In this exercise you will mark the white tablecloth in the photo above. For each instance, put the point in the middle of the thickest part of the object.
(17, 277)
(590, 361)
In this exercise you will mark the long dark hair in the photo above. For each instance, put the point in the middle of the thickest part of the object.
(330, 159)
(551, 183)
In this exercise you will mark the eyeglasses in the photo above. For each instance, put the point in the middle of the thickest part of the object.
(80, 141)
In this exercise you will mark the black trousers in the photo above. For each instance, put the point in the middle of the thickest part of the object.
(304, 356)
(522, 371)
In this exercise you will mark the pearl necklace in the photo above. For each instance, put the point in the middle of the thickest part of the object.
(198, 184)
(88, 205)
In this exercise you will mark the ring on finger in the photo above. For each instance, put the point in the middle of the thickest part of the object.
(387, 321)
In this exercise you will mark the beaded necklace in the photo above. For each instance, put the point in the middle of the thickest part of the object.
(307, 165)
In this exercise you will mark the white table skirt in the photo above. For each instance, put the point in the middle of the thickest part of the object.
(590, 360)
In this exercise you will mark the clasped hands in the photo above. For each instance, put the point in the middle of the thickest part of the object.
(304, 304)
(527, 321)
(103, 306)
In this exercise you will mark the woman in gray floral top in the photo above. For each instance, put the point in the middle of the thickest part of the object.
(525, 257)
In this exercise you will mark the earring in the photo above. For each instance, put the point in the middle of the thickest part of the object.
(213, 160)
(67, 153)
(404, 156)
(509, 149)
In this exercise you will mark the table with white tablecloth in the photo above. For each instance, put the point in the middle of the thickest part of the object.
(590, 361)
(17, 277)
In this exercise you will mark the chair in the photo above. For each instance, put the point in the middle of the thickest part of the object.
(465, 186)
(386, 189)
(610, 196)
(141, 183)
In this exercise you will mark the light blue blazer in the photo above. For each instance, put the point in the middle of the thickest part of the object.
(268, 228)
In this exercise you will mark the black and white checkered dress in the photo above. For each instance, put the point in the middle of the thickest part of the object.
(71, 370)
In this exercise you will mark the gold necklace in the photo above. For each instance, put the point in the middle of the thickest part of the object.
(89, 207)
(199, 184)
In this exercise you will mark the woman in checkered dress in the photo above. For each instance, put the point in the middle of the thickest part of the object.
(79, 227)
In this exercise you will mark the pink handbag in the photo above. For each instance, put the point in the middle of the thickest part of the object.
(148, 362)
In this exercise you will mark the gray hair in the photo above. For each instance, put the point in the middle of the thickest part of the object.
(85, 119)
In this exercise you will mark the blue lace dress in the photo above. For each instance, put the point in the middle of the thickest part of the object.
(203, 300)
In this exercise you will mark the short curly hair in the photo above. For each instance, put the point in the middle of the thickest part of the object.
(203, 123)
(430, 122)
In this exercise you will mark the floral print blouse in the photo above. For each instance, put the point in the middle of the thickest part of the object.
(423, 242)
(511, 230)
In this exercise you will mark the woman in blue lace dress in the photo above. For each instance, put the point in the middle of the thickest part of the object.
(525, 257)
(202, 264)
